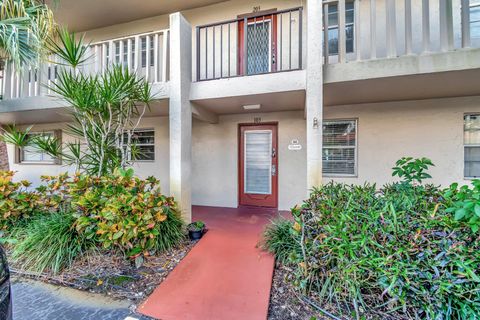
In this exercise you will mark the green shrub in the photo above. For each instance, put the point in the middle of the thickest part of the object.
(16, 204)
(412, 170)
(280, 239)
(119, 211)
(382, 251)
(465, 203)
(49, 243)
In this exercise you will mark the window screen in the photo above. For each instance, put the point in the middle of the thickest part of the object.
(333, 27)
(144, 143)
(339, 147)
(475, 18)
(471, 140)
(32, 155)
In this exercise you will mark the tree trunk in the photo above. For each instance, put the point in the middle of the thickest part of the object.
(3, 156)
(3, 146)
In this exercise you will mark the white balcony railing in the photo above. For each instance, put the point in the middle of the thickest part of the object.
(145, 53)
(371, 29)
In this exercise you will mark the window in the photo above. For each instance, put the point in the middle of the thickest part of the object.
(143, 141)
(333, 27)
(144, 51)
(471, 141)
(475, 18)
(30, 154)
(339, 147)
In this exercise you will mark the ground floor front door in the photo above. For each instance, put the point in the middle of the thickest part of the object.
(258, 165)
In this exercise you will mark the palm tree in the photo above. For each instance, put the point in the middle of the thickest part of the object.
(24, 27)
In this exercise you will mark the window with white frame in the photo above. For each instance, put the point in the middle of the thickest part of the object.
(475, 19)
(143, 142)
(144, 51)
(30, 154)
(333, 27)
(339, 147)
(471, 142)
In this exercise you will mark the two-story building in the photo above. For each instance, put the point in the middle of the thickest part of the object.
(257, 101)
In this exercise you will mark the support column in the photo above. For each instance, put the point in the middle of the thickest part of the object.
(314, 93)
(180, 113)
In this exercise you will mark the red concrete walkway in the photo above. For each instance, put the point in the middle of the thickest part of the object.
(225, 276)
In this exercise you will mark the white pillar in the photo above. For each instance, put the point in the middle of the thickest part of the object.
(314, 93)
(180, 113)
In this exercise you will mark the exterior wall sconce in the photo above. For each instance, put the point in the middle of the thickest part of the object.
(315, 123)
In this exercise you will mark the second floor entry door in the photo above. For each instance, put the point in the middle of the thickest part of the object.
(257, 43)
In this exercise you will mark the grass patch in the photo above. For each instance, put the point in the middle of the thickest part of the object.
(49, 242)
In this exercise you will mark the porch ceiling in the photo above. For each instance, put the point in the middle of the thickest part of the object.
(400, 88)
(90, 14)
(33, 112)
(269, 102)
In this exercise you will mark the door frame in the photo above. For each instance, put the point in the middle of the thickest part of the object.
(240, 181)
(262, 16)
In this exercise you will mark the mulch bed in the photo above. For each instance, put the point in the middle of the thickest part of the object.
(113, 275)
(285, 302)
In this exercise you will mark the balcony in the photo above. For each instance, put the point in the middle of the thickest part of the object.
(253, 44)
(358, 31)
(145, 53)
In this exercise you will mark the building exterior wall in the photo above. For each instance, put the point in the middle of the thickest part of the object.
(386, 132)
(215, 159)
(158, 168)
(425, 128)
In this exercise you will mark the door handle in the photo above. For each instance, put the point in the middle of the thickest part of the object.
(274, 170)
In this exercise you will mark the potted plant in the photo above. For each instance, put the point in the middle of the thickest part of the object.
(196, 230)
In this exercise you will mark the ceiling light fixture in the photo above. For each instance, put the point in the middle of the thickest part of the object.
(252, 106)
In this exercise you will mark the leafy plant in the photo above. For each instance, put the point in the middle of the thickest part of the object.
(465, 203)
(119, 211)
(16, 204)
(281, 239)
(412, 170)
(196, 226)
(49, 242)
(394, 252)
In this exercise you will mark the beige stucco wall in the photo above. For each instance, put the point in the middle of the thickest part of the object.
(386, 132)
(215, 159)
(158, 168)
(426, 128)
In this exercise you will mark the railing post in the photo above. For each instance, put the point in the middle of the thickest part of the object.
(300, 37)
(373, 29)
(408, 27)
(342, 49)
(465, 23)
(42, 77)
(129, 55)
(147, 58)
(446, 25)
(156, 65)
(325, 33)
(111, 51)
(426, 25)
(138, 55)
(120, 60)
(26, 80)
(391, 29)
(165, 55)
(356, 32)
(245, 52)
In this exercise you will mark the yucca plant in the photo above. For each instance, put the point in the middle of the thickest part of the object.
(24, 26)
(106, 109)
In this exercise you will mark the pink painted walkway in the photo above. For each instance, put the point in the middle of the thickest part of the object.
(225, 276)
